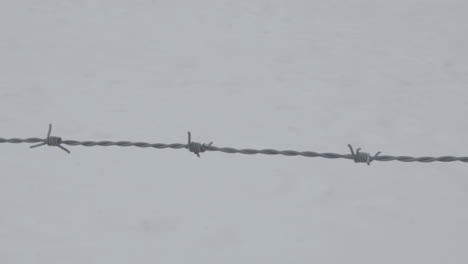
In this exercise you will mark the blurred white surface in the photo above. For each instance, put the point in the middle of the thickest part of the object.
(387, 76)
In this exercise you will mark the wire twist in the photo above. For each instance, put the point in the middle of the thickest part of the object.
(197, 148)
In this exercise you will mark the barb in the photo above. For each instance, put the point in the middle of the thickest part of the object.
(197, 148)
(362, 157)
(51, 141)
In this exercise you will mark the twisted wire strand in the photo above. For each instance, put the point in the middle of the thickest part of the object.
(197, 148)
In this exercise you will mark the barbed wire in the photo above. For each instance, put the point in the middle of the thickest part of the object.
(197, 148)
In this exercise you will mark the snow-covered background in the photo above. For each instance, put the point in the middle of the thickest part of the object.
(388, 76)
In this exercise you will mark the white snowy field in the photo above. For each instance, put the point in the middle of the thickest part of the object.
(388, 76)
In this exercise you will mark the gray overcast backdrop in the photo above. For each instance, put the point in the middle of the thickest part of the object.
(388, 76)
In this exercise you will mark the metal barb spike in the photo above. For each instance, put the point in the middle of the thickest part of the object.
(362, 157)
(196, 147)
(51, 141)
